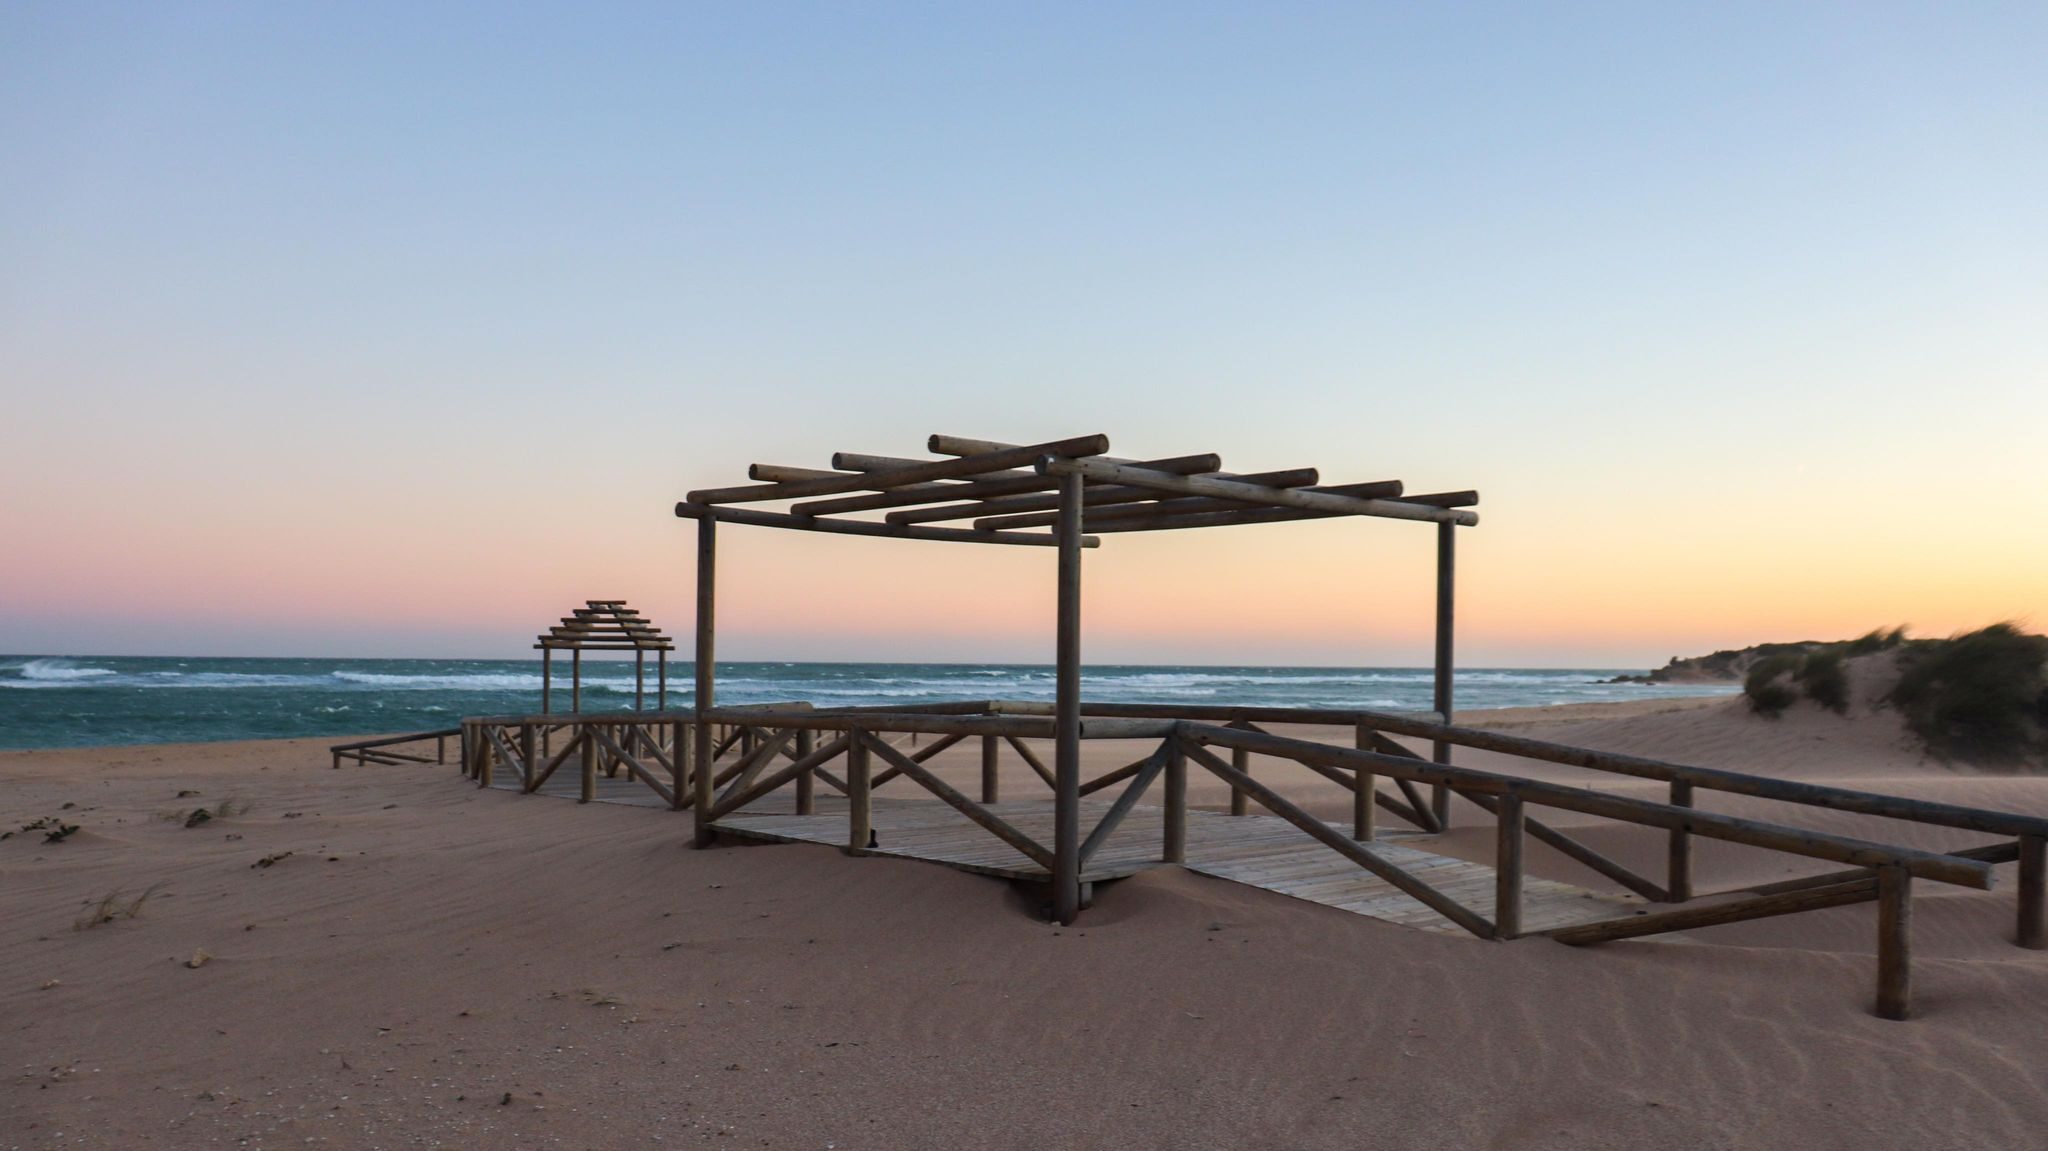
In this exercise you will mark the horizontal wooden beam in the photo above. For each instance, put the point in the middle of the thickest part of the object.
(1096, 496)
(601, 646)
(863, 528)
(389, 740)
(981, 489)
(1101, 472)
(862, 462)
(1735, 911)
(788, 473)
(1372, 490)
(1131, 511)
(898, 477)
(1213, 520)
(1460, 499)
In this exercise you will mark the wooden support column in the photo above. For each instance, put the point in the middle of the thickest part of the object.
(678, 767)
(2033, 932)
(860, 815)
(1507, 866)
(1066, 869)
(661, 680)
(589, 788)
(1365, 790)
(639, 679)
(1678, 881)
(485, 764)
(991, 781)
(1894, 942)
(806, 782)
(1446, 601)
(576, 681)
(527, 751)
(547, 676)
(1240, 803)
(700, 760)
(1175, 847)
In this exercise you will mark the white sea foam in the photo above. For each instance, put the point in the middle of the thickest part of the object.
(61, 671)
(473, 681)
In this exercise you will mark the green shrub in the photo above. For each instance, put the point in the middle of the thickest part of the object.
(1768, 697)
(1875, 641)
(1825, 679)
(1979, 696)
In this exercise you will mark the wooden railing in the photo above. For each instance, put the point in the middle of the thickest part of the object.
(753, 752)
(385, 750)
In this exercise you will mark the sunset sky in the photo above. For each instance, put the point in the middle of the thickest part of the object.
(398, 330)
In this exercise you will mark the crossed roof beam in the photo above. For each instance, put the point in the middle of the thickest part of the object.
(605, 625)
(1007, 494)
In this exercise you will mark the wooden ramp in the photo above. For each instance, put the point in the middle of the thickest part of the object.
(1259, 850)
(567, 784)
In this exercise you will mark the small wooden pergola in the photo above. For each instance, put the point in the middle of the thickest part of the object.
(1064, 495)
(604, 625)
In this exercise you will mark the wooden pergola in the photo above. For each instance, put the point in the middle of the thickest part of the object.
(1065, 495)
(604, 625)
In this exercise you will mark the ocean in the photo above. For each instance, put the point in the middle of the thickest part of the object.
(56, 701)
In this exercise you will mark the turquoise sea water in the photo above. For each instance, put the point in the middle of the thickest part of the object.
(56, 701)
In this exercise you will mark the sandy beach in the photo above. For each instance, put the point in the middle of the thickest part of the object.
(426, 964)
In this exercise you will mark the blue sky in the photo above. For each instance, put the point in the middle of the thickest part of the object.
(1726, 310)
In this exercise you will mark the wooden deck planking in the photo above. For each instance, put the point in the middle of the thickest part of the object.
(1258, 850)
(1261, 851)
(567, 783)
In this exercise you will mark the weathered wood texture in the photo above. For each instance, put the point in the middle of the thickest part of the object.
(1259, 850)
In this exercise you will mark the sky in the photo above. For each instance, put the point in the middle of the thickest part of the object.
(397, 330)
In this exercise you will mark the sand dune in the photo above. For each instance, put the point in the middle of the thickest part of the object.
(434, 965)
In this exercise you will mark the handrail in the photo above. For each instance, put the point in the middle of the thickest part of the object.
(387, 741)
(366, 750)
(1718, 779)
(1758, 833)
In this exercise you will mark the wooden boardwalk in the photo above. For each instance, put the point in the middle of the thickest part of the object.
(1259, 850)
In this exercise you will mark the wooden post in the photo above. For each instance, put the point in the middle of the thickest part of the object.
(1894, 942)
(440, 749)
(678, 766)
(528, 766)
(1446, 598)
(1364, 809)
(807, 782)
(1175, 847)
(860, 815)
(547, 683)
(1240, 803)
(1507, 865)
(484, 765)
(700, 762)
(576, 681)
(589, 791)
(1678, 881)
(1066, 870)
(588, 760)
(991, 783)
(2033, 891)
(468, 751)
(639, 678)
(661, 679)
